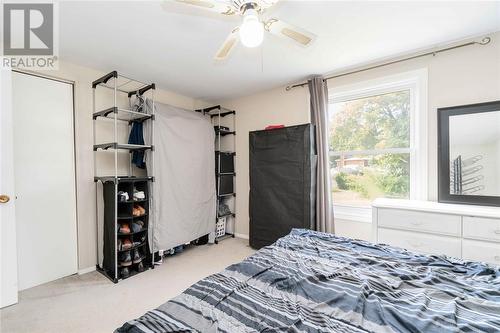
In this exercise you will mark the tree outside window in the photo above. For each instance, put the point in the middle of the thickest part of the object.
(370, 148)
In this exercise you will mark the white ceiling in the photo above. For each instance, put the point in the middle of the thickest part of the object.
(176, 50)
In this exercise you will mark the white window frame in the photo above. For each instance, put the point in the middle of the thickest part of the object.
(416, 83)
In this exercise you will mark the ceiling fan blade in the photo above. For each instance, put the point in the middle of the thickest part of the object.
(228, 45)
(265, 4)
(211, 5)
(291, 32)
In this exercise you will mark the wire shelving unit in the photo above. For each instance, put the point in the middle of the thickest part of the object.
(118, 212)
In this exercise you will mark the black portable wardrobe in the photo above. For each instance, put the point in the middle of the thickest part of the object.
(282, 182)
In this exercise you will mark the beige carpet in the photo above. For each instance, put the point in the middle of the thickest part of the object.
(90, 303)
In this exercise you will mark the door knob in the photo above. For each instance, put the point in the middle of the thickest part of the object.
(4, 198)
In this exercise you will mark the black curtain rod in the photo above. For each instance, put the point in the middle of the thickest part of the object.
(484, 41)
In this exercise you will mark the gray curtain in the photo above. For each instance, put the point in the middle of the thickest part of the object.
(318, 90)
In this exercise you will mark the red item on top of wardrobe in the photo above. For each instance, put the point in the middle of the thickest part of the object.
(271, 127)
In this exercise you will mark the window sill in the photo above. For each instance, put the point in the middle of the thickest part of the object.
(351, 213)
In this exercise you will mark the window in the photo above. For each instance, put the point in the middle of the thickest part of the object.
(375, 143)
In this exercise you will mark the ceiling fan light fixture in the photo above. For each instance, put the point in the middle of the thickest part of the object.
(252, 30)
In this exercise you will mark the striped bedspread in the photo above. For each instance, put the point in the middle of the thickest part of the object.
(314, 282)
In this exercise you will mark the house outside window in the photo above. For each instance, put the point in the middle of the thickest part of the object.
(378, 146)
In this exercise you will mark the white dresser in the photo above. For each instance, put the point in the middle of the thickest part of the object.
(461, 231)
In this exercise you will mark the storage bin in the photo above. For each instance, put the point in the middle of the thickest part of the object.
(220, 227)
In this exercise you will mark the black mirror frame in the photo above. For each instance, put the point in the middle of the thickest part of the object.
(443, 115)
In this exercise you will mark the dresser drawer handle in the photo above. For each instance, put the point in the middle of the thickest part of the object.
(417, 223)
(497, 232)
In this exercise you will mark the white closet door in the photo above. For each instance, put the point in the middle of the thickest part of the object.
(44, 179)
(8, 249)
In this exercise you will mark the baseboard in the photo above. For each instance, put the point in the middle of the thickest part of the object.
(241, 236)
(86, 270)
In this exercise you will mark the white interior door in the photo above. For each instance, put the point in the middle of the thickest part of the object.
(8, 254)
(44, 168)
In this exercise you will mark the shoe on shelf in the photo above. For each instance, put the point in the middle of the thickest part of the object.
(135, 211)
(124, 228)
(137, 226)
(136, 256)
(140, 267)
(123, 196)
(124, 244)
(138, 210)
(139, 195)
(124, 272)
(158, 258)
(124, 259)
(139, 241)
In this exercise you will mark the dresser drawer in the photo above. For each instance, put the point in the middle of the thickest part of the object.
(481, 251)
(420, 221)
(482, 228)
(421, 243)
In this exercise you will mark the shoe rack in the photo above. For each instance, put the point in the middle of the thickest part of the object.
(123, 199)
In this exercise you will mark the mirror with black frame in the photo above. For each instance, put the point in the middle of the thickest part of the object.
(469, 154)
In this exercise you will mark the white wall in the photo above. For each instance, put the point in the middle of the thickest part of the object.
(463, 76)
(85, 186)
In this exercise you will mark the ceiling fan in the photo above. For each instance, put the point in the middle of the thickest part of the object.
(251, 31)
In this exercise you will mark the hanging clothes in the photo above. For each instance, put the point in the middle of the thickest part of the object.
(136, 136)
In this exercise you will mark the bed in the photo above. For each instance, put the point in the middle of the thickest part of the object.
(315, 282)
